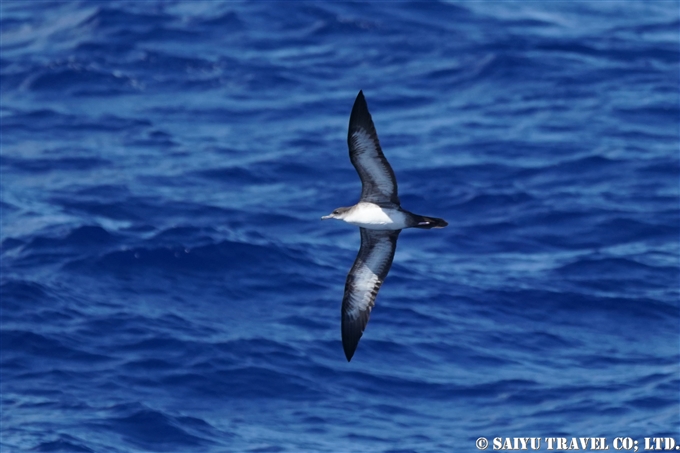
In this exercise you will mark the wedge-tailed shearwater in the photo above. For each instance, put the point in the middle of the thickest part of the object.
(380, 218)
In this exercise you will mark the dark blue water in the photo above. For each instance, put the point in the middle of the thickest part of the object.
(167, 284)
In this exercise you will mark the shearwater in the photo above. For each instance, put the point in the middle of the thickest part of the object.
(380, 218)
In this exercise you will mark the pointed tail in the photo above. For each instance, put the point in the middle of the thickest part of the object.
(430, 222)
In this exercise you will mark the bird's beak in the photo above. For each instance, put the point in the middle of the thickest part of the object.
(326, 217)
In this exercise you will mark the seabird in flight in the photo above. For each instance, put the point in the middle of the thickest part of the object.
(380, 218)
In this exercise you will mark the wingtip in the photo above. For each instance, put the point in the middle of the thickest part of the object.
(350, 338)
(349, 353)
(360, 114)
(349, 347)
(360, 99)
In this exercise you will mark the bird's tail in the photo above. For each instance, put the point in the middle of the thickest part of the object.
(430, 222)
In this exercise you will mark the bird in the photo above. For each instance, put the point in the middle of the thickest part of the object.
(380, 219)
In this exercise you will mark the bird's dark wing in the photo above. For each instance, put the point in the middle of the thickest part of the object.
(378, 184)
(363, 282)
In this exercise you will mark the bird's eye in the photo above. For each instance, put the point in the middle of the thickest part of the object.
(336, 212)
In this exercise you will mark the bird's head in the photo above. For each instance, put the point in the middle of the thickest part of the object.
(339, 214)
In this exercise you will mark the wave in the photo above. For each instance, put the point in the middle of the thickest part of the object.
(152, 429)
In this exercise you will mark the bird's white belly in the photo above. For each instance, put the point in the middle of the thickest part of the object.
(373, 217)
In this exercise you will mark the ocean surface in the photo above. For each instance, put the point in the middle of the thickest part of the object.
(168, 285)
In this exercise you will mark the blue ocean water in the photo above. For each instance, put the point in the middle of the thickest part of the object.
(167, 284)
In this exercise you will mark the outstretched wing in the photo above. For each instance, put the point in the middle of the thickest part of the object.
(363, 282)
(378, 183)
